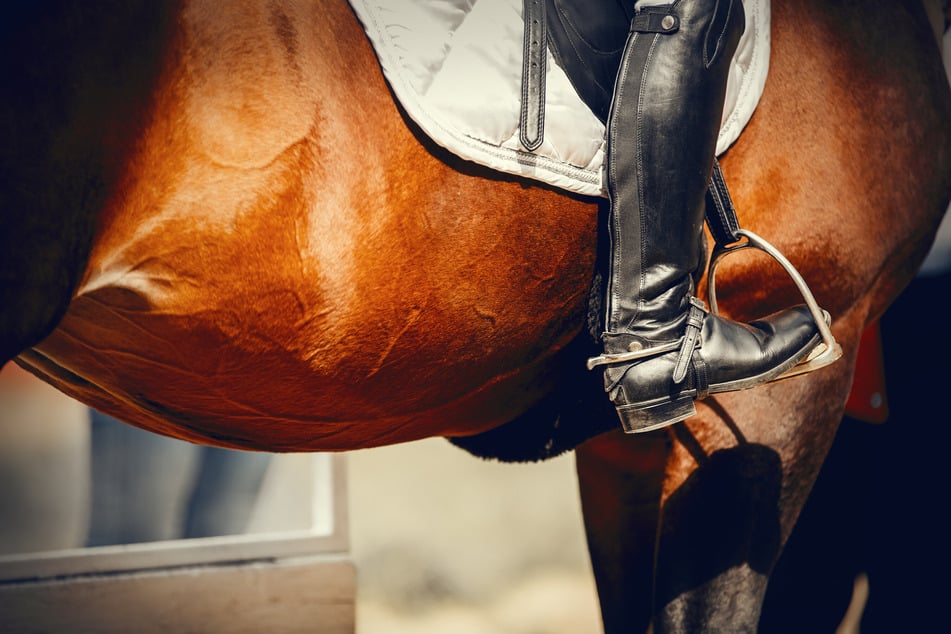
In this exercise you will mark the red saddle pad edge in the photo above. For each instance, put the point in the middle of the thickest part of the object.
(868, 399)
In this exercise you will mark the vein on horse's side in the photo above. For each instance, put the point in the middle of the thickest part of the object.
(411, 319)
(488, 315)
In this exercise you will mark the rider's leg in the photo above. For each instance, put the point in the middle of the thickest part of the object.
(662, 130)
(587, 38)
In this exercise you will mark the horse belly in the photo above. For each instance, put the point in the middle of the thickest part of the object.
(226, 337)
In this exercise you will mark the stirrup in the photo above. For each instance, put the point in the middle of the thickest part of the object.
(825, 352)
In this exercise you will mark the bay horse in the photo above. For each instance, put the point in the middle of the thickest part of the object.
(219, 226)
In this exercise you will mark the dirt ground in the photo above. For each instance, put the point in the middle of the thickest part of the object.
(445, 542)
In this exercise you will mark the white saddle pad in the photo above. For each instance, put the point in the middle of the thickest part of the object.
(455, 66)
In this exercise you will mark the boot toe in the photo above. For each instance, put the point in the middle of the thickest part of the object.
(740, 356)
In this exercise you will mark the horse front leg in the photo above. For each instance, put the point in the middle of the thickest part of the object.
(621, 479)
(736, 479)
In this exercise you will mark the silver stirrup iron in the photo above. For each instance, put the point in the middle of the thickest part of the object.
(828, 350)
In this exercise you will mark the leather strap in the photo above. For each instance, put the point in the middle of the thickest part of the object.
(655, 20)
(721, 214)
(535, 49)
(691, 339)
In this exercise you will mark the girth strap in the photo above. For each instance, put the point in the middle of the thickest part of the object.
(535, 49)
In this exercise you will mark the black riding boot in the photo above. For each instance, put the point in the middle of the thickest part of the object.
(662, 349)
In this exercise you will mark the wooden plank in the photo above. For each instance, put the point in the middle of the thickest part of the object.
(312, 594)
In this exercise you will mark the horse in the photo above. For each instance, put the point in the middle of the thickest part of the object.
(220, 226)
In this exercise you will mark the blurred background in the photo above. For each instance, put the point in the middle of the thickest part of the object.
(445, 542)
(441, 541)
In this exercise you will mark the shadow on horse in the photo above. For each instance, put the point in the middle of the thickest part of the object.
(219, 226)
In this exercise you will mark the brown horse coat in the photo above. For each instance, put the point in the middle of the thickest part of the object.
(218, 226)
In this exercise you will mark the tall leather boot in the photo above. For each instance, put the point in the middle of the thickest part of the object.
(662, 349)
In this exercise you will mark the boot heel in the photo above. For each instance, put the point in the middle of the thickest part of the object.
(636, 418)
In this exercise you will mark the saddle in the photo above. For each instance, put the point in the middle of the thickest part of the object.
(460, 71)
